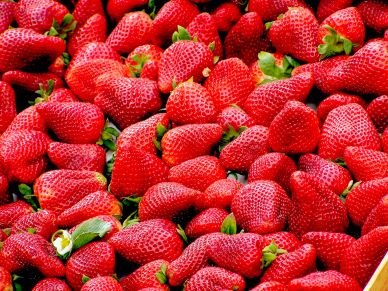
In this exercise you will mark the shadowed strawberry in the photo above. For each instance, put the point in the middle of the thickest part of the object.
(261, 207)
(84, 9)
(270, 286)
(51, 284)
(118, 8)
(101, 284)
(207, 221)
(8, 105)
(275, 167)
(28, 119)
(148, 275)
(59, 189)
(269, 10)
(226, 15)
(374, 14)
(377, 111)
(4, 196)
(92, 260)
(31, 81)
(384, 140)
(144, 61)
(233, 116)
(5, 277)
(284, 240)
(328, 7)
(377, 217)
(361, 259)
(12, 212)
(148, 241)
(325, 281)
(59, 65)
(6, 18)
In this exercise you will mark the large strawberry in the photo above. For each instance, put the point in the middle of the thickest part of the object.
(328, 7)
(11, 212)
(377, 111)
(207, 221)
(51, 284)
(235, 117)
(269, 10)
(31, 81)
(28, 119)
(84, 9)
(8, 105)
(118, 8)
(377, 217)
(6, 18)
(374, 14)
(226, 15)
(148, 241)
(284, 240)
(102, 283)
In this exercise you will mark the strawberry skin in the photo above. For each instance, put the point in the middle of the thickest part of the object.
(328, 7)
(7, 16)
(62, 95)
(51, 284)
(377, 217)
(8, 104)
(270, 286)
(377, 111)
(118, 8)
(94, 50)
(270, 10)
(101, 284)
(31, 81)
(374, 14)
(4, 196)
(12, 212)
(28, 119)
(207, 221)
(84, 9)
(384, 140)
(226, 15)
(284, 240)
(235, 117)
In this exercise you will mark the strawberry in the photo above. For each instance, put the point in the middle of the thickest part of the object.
(284, 240)
(261, 207)
(43, 222)
(84, 9)
(337, 100)
(28, 119)
(219, 194)
(272, 166)
(8, 108)
(144, 61)
(198, 173)
(94, 50)
(214, 278)
(61, 95)
(93, 30)
(118, 8)
(189, 141)
(296, 34)
(31, 250)
(73, 122)
(181, 61)
(330, 246)
(377, 217)
(234, 117)
(270, 286)
(51, 284)
(13, 211)
(101, 284)
(384, 140)
(269, 10)
(245, 149)
(172, 14)
(97, 203)
(377, 111)
(374, 14)
(60, 189)
(361, 259)
(31, 81)
(8, 8)
(4, 196)
(314, 207)
(92, 260)
(148, 241)
(23, 155)
(19, 47)
(327, 173)
(207, 221)
(362, 199)
(166, 200)
(347, 125)
(226, 15)
(328, 7)
(59, 65)
(295, 129)
(266, 101)
(229, 83)
(77, 156)
(146, 276)
(117, 94)
(243, 39)
(329, 280)
(342, 31)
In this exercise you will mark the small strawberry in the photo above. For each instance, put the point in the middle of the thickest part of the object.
(101, 284)
(377, 111)
(374, 14)
(8, 102)
(84, 9)
(6, 18)
(269, 10)
(31, 81)
(51, 284)
(284, 240)
(328, 7)
(13, 211)
(377, 217)
(226, 15)
(207, 221)
(28, 119)
(118, 8)
(233, 116)
(270, 286)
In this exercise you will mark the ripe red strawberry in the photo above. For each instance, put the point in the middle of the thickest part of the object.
(243, 39)
(165, 200)
(97, 203)
(73, 122)
(329, 246)
(377, 111)
(101, 284)
(235, 117)
(270, 286)
(361, 259)
(384, 140)
(269, 10)
(328, 7)
(245, 149)
(189, 102)
(213, 278)
(39, 254)
(31, 81)
(347, 125)
(337, 100)
(84, 9)
(296, 34)
(8, 105)
(77, 156)
(219, 194)
(148, 241)
(23, 155)
(62, 95)
(261, 207)
(11, 212)
(94, 50)
(6, 18)
(94, 30)
(342, 31)
(326, 172)
(20, 47)
(229, 83)
(92, 260)
(172, 14)
(377, 217)
(189, 141)
(295, 129)
(266, 101)
(43, 222)
(226, 15)
(117, 94)
(325, 281)
(284, 240)
(145, 277)
(28, 119)
(198, 173)
(118, 8)
(314, 207)
(4, 196)
(207, 221)
(59, 189)
(361, 200)
(374, 14)
(272, 166)
(181, 61)
(51, 284)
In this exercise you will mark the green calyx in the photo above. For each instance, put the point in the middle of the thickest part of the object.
(270, 253)
(161, 275)
(334, 44)
(108, 137)
(140, 61)
(44, 92)
(152, 8)
(28, 195)
(160, 131)
(181, 34)
(64, 28)
(229, 136)
(229, 225)
(182, 233)
(349, 188)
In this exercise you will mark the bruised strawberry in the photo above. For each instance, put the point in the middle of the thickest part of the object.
(51, 284)
(118, 8)
(377, 111)
(84, 9)
(284, 240)
(6, 18)
(31, 81)
(377, 217)
(226, 15)
(28, 119)
(328, 7)
(269, 10)
(235, 117)
(102, 283)
(207, 221)
(8, 105)
(13, 211)
(374, 14)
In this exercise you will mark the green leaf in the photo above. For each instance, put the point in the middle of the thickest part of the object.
(233, 174)
(85, 279)
(270, 253)
(216, 59)
(268, 25)
(110, 145)
(351, 186)
(89, 230)
(229, 225)
(348, 46)
(157, 144)
(130, 221)
(109, 165)
(28, 196)
(67, 19)
(24, 189)
(182, 233)
(152, 7)
(212, 45)
(333, 44)
(66, 58)
(31, 230)
(160, 130)
(181, 34)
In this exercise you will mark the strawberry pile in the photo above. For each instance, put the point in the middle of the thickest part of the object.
(196, 144)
